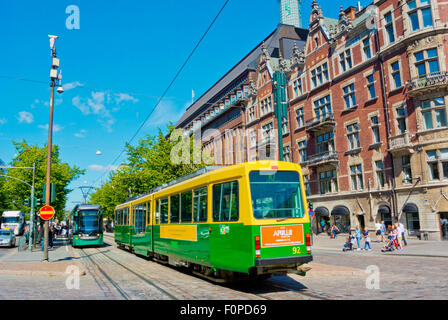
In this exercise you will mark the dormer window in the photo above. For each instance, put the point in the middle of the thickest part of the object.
(345, 59)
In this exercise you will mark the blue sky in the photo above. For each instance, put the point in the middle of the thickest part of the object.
(116, 66)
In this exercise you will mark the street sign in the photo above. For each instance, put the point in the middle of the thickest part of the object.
(311, 213)
(46, 213)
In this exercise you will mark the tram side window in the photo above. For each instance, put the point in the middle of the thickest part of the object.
(147, 213)
(186, 206)
(174, 208)
(200, 205)
(164, 210)
(225, 201)
(139, 218)
(126, 217)
(157, 212)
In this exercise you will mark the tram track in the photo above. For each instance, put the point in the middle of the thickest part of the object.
(122, 292)
(268, 286)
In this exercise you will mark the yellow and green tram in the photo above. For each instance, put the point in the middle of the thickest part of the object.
(247, 220)
(87, 224)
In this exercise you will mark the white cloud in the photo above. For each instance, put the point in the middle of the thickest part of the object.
(120, 97)
(26, 117)
(3, 121)
(56, 127)
(100, 168)
(81, 134)
(72, 85)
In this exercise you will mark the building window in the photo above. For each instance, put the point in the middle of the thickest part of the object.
(371, 86)
(325, 143)
(396, 76)
(426, 62)
(406, 167)
(253, 138)
(380, 176)
(328, 182)
(353, 136)
(322, 108)
(366, 48)
(285, 127)
(438, 164)
(251, 114)
(420, 14)
(286, 153)
(375, 129)
(356, 176)
(298, 89)
(300, 118)
(320, 75)
(302, 151)
(434, 113)
(389, 27)
(345, 59)
(306, 182)
(349, 96)
(401, 119)
(266, 106)
(268, 131)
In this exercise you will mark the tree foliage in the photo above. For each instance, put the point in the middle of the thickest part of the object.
(147, 166)
(16, 191)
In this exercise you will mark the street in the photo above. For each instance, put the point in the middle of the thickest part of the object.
(116, 274)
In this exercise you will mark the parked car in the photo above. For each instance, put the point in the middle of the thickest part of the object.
(7, 238)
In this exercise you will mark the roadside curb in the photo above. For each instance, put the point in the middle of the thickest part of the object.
(384, 253)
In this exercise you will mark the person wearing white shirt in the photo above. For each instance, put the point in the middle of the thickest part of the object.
(401, 231)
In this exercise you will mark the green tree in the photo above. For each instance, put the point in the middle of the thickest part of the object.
(148, 165)
(61, 175)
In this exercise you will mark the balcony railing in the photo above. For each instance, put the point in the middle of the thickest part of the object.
(321, 158)
(429, 81)
(399, 142)
(321, 121)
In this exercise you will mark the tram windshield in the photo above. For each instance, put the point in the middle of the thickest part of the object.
(88, 221)
(276, 195)
(10, 219)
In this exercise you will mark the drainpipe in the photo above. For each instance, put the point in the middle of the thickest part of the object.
(386, 114)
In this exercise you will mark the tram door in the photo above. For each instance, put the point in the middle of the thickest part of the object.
(444, 225)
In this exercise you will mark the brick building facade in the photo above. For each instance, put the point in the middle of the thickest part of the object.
(359, 101)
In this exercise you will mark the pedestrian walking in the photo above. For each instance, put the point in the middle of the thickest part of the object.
(322, 224)
(383, 231)
(51, 234)
(402, 230)
(367, 240)
(334, 231)
(358, 237)
(378, 231)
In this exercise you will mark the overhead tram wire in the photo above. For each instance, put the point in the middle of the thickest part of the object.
(167, 89)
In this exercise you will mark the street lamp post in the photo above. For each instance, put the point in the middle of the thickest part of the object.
(54, 78)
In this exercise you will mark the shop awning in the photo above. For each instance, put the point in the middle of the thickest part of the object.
(322, 212)
(384, 210)
(410, 208)
(340, 211)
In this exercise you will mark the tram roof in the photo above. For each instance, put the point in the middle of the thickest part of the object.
(176, 181)
(87, 207)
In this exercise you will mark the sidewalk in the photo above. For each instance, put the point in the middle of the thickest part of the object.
(414, 248)
(30, 263)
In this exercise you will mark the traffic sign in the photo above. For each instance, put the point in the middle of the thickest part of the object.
(46, 213)
(311, 213)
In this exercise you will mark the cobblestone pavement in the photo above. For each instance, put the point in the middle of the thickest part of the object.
(113, 273)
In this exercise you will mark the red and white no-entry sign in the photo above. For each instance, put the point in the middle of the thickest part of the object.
(46, 213)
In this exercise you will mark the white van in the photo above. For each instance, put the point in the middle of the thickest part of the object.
(14, 221)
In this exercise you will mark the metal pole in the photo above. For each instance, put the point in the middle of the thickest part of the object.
(48, 185)
(31, 231)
